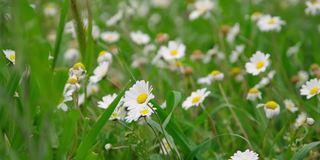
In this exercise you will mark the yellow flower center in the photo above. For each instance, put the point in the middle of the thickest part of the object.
(142, 98)
(314, 90)
(215, 73)
(12, 57)
(272, 105)
(144, 112)
(196, 99)
(72, 80)
(178, 63)
(253, 90)
(235, 70)
(78, 66)
(102, 53)
(114, 115)
(257, 14)
(173, 52)
(271, 21)
(260, 64)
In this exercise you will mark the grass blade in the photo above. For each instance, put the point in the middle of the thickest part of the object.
(303, 152)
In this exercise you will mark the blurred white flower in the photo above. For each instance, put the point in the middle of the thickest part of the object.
(268, 23)
(303, 119)
(10, 55)
(215, 75)
(115, 19)
(255, 16)
(161, 3)
(201, 7)
(174, 51)
(311, 88)
(253, 94)
(165, 147)
(139, 37)
(99, 72)
(236, 53)
(313, 7)
(110, 37)
(50, 9)
(118, 113)
(271, 108)
(258, 63)
(290, 105)
(233, 33)
(78, 70)
(196, 98)
(72, 55)
(104, 56)
(246, 155)
(293, 50)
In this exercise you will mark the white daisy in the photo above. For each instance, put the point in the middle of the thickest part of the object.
(110, 37)
(290, 105)
(266, 80)
(246, 155)
(50, 9)
(196, 98)
(115, 18)
(253, 94)
(233, 33)
(234, 57)
(215, 75)
(258, 63)
(99, 72)
(104, 56)
(118, 113)
(268, 23)
(174, 51)
(313, 7)
(139, 38)
(303, 119)
(201, 7)
(10, 55)
(271, 108)
(311, 88)
(136, 100)
(255, 16)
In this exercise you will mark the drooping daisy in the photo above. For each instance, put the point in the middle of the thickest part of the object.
(196, 98)
(174, 51)
(237, 73)
(303, 119)
(290, 105)
(201, 7)
(258, 63)
(311, 88)
(246, 155)
(139, 37)
(77, 70)
(266, 80)
(10, 55)
(99, 72)
(313, 7)
(104, 56)
(268, 23)
(215, 75)
(271, 108)
(253, 94)
(110, 37)
(118, 113)
(255, 16)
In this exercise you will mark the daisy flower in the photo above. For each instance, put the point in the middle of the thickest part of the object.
(255, 16)
(174, 51)
(201, 7)
(233, 33)
(99, 72)
(290, 105)
(50, 9)
(104, 56)
(268, 23)
(196, 98)
(313, 7)
(10, 55)
(136, 100)
(234, 57)
(311, 88)
(246, 155)
(139, 38)
(258, 63)
(110, 37)
(303, 119)
(215, 75)
(118, 113)
(77, 70)
(253, 94)
(271, 108)
(266, 80)
(115, 18)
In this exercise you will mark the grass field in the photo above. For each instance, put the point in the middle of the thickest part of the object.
(160, 79)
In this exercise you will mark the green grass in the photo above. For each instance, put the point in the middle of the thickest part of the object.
(33, 128)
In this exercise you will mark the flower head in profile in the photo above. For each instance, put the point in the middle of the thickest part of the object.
(290, 105)
(311, 88)
(271, 109)
(139, 37)
(196, 98)
(303, 119)
(258, 63)
(201, 7)
(110, 37)
(10, 55)
(313, 7)
(268, 23)
(255, 16)
(118, 113)
(104, 56)
(214, 75)
(246, 155)
(136, 100)
(174, 51)
(99, 72)
(78, 70)
(253, 94)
